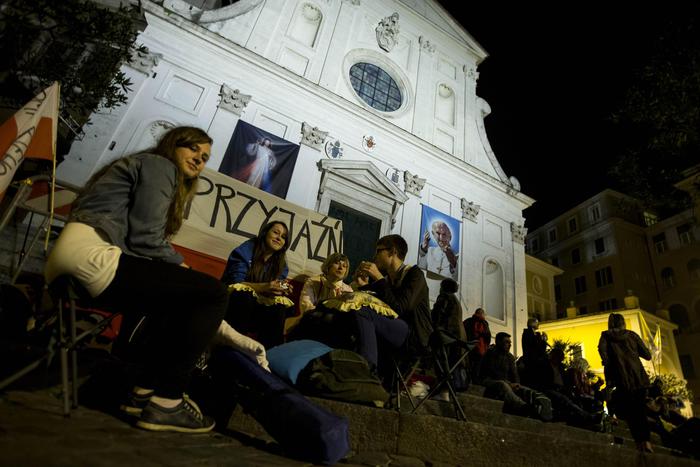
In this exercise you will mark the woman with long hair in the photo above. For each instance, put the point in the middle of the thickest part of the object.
(256, 274)
(116, 244)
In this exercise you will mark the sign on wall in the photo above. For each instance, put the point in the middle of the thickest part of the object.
(226, 212)
(438, 251)
(260, 159)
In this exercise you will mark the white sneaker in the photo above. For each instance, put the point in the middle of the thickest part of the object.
(418, 389)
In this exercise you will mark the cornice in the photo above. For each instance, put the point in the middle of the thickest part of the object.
(167, 21)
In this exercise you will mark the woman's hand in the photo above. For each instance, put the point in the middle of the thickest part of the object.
(277, 287)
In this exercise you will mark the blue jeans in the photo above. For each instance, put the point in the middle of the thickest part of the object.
(372, 327)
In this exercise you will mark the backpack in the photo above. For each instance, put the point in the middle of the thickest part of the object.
(342, 375)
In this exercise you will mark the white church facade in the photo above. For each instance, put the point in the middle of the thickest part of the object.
(379, 95)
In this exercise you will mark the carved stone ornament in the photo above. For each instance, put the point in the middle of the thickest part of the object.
(232, 100)
(413, 184)
(471, 73)
(334, 150)
(369, 143)
(470, 210)
(388, 32)
(312, 136)
(144, 60)
(519, 232)
(425, 45)
(515, 183)
(353, 2)
(392, 174)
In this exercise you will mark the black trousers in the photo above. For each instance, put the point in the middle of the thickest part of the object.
(263, 323)
(184, 308)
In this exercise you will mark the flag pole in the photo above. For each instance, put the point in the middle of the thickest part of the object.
(52, 197)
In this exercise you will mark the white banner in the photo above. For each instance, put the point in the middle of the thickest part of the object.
(227, 212)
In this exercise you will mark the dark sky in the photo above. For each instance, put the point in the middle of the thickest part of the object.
(553, 78)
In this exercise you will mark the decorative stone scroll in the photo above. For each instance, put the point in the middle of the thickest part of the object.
(413, 184)
(470, 210)
(312, 136)
(388, 32)
(471, 72)
(232, 100)
(144, 60)
(425, 45)
(519, 232)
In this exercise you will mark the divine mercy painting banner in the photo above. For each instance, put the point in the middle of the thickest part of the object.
(260, 159)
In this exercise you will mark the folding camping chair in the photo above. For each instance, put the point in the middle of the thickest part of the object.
(65, 290)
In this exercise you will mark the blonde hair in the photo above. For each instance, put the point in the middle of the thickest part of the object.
(332, 259)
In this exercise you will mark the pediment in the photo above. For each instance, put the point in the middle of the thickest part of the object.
(364, 174)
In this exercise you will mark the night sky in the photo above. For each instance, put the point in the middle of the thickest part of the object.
(553, 78)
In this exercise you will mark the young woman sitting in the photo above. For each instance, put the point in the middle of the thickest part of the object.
(116, 244)
(256, 274)
(328, 284)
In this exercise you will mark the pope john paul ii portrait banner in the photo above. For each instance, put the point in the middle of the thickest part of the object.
(438, 251)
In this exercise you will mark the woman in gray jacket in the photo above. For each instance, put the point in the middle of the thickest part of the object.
(116, 243)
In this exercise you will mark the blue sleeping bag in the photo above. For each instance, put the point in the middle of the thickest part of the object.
(302, 428)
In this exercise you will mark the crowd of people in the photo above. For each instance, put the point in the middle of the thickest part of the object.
(116, 244)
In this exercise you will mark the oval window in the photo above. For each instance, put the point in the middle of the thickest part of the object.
(375, 87)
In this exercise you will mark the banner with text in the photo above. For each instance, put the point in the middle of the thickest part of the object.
(226, 212)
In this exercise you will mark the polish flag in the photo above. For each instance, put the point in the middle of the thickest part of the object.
(31, 133)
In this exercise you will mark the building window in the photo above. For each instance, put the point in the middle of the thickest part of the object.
(573, 225)
(685, 234)
(594, 212)
(552, 235)
(607, 305)
(582, 310)
(557, 292)
(660, 243)
(650, 218)
(375, 87)
(575, 256)
(687, 366)
(555, 261)
(580, 284)
(679, 315)
(599, 246)
(668, 278)
(694, 269)
(603, 277)
(535, 245)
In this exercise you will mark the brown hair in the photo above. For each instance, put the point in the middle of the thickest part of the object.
(180, 137)
(395, 242)
(258, 272)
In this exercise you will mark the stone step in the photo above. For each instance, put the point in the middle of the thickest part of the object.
(453, 442)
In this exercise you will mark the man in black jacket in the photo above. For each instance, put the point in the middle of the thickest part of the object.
(400, 286)
(500, 377)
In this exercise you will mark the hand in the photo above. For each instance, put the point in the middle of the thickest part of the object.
(360, 280)
(369, 269)
(426, 241)
(185, 265)
(275, 287)
(451, 257)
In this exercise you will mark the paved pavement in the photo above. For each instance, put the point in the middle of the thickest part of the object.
(33, 432)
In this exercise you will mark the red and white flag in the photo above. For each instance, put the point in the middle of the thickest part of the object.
(31, 133)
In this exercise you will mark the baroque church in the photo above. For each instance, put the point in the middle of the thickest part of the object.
(379, 96)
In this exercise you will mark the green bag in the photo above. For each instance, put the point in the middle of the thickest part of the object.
(342, 375)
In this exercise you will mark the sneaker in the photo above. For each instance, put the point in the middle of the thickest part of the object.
(135, 403)
(184, 418)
